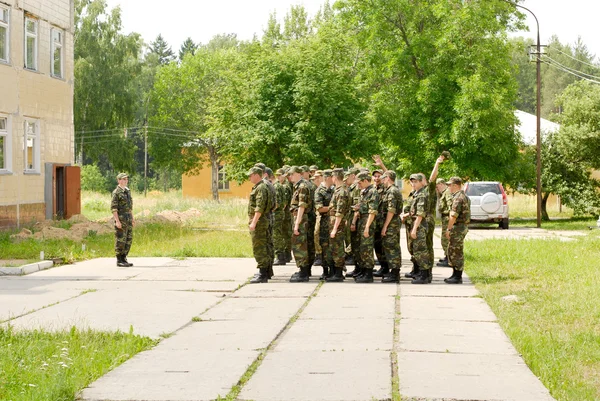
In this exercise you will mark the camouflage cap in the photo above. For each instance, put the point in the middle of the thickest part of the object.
(318, 173)
(255, 170)
(327, 173)
(281, 171)
(304, 168)
(260, 166)
(377, 171)
(454, 180)
(391, 174)
(353, 170)
(285, 167)
(295, 169)
(120, 176)
(446, 155)
(269, 172)
(313, 168)
(440, 181)
(417, 177)
(363, 176)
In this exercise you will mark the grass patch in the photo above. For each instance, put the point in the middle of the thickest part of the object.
(38, 365)
(573, 223)
(555, 323)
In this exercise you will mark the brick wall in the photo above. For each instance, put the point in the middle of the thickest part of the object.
(28, 213)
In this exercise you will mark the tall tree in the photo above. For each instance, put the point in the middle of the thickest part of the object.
(161, 48)
(106, 65)
(223, 41)
(187, 47)
(524, 73)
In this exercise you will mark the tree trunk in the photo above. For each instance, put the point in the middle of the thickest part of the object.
(545, 197)
(214, 161)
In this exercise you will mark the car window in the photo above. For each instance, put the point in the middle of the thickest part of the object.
(480, 189)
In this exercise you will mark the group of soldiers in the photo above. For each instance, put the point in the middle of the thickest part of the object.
(335, 217)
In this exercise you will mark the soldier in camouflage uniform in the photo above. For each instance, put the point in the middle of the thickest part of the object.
(352, 223)
(460, 217)
(322, 201)
(367, 211)
(384, 269)
(444, 207)
(312, 217)
(259, 208)
(279, 216)
(289, 188)
(339, 207)
(121, 206)
(418, 233)
(317, 179)
(407, 220)
(301, 202)
(390, 230)
(267, 176)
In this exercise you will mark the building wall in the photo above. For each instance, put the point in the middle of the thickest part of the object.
(199, 186)
(40, 96)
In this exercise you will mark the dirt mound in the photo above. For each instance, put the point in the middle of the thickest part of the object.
(173, 216)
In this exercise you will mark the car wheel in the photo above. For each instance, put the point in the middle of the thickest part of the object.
(504, 224)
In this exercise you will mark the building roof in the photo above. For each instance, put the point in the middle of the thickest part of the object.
(527, 126)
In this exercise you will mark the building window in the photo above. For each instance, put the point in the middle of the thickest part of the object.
(222, 182)
(5, 145)
(31, 146)
(56, 37)
(31, 39)
(4, 33)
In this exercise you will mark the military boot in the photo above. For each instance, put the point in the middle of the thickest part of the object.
(349, 260)
(318, 260)
(337, 277)
(126, 261)
(421, 278)
(271, 272)
(121, 262)
(443, 262)
(288, 256)
(367, 277)
(325, 273)
(262, 277)
(301, 277)
(414, 272)
(430, 275)
(354, 272)
(280, 260)
(361, 272)
(383, 270)
(392, 277)
(455, 278)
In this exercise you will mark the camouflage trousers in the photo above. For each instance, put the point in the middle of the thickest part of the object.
(378, 245)
(318, 249)
(124, 236)
(278, 232)
(355, 246)
(430, 230)
(287, 230)
(260, 246)
(336, 245)
(348, 234)
(409, 240)
(312, 221)
(300, 244)
(456, 256)
(367, 260)
(324, 240)
(444, 229)
(391, 244)
(420, 250)
(270, 236)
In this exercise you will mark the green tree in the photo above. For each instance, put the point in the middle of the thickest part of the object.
(524, 73)
(223, 41)
(106, 65)
(187, 47)
(161, 48)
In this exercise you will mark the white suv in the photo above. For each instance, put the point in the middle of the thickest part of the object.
(489, 203)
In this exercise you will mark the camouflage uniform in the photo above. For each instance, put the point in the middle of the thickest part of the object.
(392, 202)
(273, 204)
(418, 207)
(461, 209)
(369, 204)
(312, 222)
(122, 203)
(444, 207)
(339, 206)
(288, 220)
(431, 206)
(279, 237)
(408, 223)
(379, 221)
(354, 236)
(301, 198)
(323, 197)
(260, 202)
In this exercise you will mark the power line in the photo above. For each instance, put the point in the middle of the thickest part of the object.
(568, 72)
(572, 69)
(108, 130)
(576, 59)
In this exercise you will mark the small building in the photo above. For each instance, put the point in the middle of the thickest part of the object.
(37, 179)
(199, 185)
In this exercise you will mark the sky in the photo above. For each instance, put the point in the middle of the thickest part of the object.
(202, 19)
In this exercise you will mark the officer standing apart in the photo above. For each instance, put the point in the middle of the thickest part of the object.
(259, 209)
(460, 217)
(121, 207)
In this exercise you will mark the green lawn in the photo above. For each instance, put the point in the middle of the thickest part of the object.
(555, 324)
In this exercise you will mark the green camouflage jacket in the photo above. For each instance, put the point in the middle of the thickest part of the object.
(461, 207)
(121, 201)
(369, 201)
(322, 197)
(260, 200)
(340, 202)
(418, 204)
(391, 201)
(301, 197)
(445, 203)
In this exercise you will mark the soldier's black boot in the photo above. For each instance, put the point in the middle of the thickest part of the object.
(262, 277)
(288, 256)
(383, 270)
(367, 277)
(121, 262)
(325, 273)
(422, 278)
(124, 257)
(414, 272)
(392, 277)
(280, 260)
(361, 272)
(271, 272)
(354, 272)
(318, 260)
(456, 277)
(429, 275)
(337, 277)
(349, 260)
(301, 277)
(443, 262)
(332, 272)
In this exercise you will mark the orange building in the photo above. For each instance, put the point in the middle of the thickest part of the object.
(199, 185)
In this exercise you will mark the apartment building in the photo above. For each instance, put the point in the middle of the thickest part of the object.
(37, 178)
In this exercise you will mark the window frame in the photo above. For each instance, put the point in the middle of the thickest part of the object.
(26, 35)
(35, 169)
(7, 26)
(7, 134)
(53, 47)
(222, 182)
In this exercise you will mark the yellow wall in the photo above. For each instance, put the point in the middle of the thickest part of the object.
(198, 186)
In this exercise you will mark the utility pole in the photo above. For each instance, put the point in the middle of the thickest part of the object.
(145, 158)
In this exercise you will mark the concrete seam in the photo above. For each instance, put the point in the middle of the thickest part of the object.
(395, 347)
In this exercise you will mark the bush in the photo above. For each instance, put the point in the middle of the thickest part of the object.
(92, 179)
